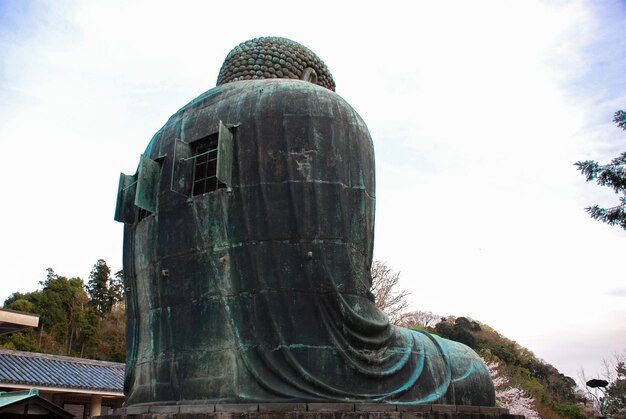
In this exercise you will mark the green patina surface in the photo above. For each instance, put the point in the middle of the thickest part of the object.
(260, 291)
(10, 397)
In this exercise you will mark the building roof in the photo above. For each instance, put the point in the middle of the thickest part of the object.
(28, 369)
(7, 398)
(19, 403)
(12, 321)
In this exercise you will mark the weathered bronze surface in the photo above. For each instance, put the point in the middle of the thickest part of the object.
(259, 291)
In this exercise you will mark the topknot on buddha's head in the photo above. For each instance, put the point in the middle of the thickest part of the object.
(273, 57)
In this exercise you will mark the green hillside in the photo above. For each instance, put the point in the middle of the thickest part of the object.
(555, 394)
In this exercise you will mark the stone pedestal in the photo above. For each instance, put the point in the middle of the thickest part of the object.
(310, 411)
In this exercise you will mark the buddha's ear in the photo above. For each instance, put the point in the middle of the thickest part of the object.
(309, 75)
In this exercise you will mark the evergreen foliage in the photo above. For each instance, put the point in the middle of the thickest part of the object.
(554, 394)
(608, 392)
(71, 321)
(616, 391)
(612, 175)
(103, 289)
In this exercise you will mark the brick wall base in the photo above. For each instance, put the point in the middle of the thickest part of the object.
(310, 411)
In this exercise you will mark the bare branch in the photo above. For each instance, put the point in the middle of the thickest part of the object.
(388, 298)
(420, 319)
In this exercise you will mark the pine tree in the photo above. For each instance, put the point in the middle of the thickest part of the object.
(103, 289)
(612, 175)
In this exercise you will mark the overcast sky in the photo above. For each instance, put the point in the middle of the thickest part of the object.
(478, 111)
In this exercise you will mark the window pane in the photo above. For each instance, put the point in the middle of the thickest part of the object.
(205, 166)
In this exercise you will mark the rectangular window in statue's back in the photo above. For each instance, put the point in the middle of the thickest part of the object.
(205, 166)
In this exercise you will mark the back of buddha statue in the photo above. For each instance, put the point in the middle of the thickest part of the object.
(247, 253)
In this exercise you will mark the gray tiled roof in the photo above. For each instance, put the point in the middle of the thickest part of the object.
(43, 370)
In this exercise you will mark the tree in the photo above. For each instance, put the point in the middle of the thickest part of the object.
(62, 303)
(388, 298)
(511, 397)
(612, 175)
(420, 319)
(104, 290)
(113, 342)
(608, 393)
(462, 330)
(616, 391)
(70, 323)
(21, 302)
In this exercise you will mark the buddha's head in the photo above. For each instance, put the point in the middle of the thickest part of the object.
(274, 58)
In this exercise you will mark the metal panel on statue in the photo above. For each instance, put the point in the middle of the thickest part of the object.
(147, 184)
(225, 156)
(125, 208)
(182, 168)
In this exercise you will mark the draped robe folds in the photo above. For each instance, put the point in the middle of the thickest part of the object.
(262, 293)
